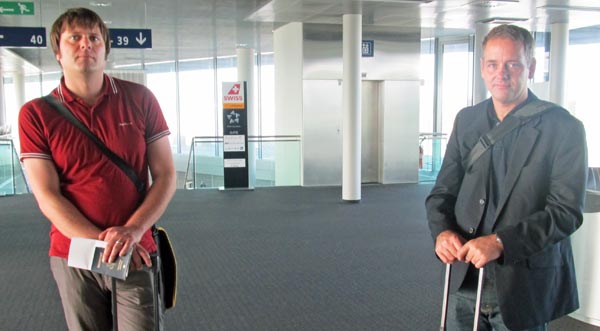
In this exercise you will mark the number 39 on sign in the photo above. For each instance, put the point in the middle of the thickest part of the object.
(122, 41)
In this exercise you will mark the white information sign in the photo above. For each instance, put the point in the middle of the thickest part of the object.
(234, 143)
(234, 163)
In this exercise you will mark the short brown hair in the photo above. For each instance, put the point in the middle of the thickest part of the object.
(514, 33)
(78, 16)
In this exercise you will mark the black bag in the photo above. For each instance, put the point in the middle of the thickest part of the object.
(167, 266)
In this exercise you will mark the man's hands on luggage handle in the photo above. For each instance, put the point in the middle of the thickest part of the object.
(450, 247)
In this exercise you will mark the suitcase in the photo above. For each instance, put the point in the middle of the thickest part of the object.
(447, 293)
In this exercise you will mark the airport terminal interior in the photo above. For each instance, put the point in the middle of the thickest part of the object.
(349, 106)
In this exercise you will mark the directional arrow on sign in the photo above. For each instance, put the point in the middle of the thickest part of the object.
(6, 10)
(141, 39)
(130, 38)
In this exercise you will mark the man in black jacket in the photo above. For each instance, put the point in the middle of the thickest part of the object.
(515, 207)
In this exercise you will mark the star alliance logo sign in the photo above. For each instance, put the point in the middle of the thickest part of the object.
(233, 117)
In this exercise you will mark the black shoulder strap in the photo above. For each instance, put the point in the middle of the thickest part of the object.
(510, 123)
(59, 107)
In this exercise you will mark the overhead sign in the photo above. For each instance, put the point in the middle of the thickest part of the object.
(130, 38)
(16, 8)
(12, 36)
(368, 48)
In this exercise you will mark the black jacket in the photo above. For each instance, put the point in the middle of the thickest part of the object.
(541, 207)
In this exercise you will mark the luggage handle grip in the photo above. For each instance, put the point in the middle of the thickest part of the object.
(447, 293)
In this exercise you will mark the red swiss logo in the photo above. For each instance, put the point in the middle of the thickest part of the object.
(235, 90)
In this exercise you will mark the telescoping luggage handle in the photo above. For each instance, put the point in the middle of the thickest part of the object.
(115, 318)
(447, 293)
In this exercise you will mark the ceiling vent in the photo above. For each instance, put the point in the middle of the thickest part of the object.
(502, 20)
(100, 3)
(492, 3)
(570, 8)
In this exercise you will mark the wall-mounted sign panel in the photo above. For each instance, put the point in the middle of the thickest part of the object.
(130, 38)
(16, 8)
(368, 48)
(234, 96)
(12, 36)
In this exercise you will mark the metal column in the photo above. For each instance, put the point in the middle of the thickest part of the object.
(351, 108)
(558, 62)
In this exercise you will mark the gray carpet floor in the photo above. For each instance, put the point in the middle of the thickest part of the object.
(289, 258)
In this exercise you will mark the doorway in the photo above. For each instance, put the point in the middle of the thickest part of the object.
(322, 137)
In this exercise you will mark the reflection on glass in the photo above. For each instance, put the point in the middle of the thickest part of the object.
(12, 178)
(455, 83)
(277, 161)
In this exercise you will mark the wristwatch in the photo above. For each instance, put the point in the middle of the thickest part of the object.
(499, 240)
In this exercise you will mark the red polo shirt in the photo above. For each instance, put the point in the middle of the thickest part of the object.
(127, 118)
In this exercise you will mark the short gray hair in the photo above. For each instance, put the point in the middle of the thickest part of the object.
(514, 33)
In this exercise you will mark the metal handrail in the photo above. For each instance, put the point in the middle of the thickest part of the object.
(219, 139)
(13, 161)
(250, 138)
(431, 135)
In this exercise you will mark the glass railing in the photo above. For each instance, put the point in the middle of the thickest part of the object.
(12, 178)
(432, 147)
(276, 162)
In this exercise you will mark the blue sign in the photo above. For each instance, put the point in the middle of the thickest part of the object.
(368, 48)
(130, 38)
(12, 36)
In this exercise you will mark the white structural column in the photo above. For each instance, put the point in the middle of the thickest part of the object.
(351, 108)
(287, 54)
(479, 88)
(245, 72)
(558, 62)
(19, 82)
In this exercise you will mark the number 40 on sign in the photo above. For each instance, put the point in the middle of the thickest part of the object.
(22, 36)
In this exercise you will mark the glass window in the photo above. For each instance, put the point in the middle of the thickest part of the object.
(427, 97)
(161, 80)
(266, 106)
(581, 89)
(196, 100)
(226, 72)
(542, 56)
(455, 82)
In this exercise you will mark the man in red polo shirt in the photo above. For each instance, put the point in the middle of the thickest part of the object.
(81, 191)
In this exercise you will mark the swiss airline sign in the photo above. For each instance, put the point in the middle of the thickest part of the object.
(233, 96)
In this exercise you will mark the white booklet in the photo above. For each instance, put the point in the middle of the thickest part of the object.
(87, 254)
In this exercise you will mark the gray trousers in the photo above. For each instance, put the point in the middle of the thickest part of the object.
(86, 298)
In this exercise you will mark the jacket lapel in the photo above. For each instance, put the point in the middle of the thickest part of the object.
(527, 137)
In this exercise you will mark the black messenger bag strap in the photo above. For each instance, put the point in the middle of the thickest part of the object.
(507, 125)
(60, 108)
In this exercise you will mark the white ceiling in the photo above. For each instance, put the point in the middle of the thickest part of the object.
(205, 28)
